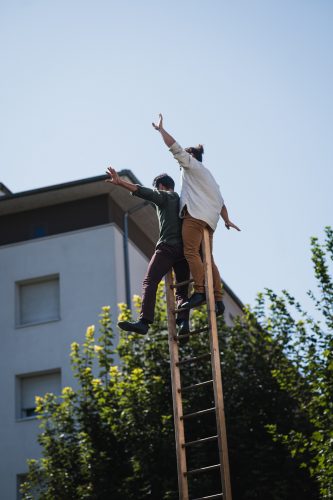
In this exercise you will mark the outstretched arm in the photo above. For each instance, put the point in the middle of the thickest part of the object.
(225, 217)
(153, 195)
(116, 180)
(167, 138)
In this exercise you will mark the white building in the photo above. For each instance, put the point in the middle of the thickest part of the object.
(61, 260)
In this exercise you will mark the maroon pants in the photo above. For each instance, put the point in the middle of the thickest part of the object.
(165, 258)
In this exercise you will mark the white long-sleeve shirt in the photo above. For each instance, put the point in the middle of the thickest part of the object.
(199, 190)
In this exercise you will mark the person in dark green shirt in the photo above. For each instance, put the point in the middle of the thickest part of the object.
(168, 252)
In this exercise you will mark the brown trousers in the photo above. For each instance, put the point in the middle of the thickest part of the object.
(192, 232)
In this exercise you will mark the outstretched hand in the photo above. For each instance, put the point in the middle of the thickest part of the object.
(159, 127)
(230, 224)
(113, 176)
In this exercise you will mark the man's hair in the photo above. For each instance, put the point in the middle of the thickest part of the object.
(164, 179)
(196, 151)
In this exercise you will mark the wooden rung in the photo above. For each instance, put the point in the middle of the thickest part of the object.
(195, 359)
(181, 283)
(195, 386)
(200, 441)
(217, 495)
(202, 469)
(194, 332)
(201, 412)
(200, 330)
(176, 311)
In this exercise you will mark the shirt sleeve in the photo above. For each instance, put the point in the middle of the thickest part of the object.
(184, 158)
(159, 198)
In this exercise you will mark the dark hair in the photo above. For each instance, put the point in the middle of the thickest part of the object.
(196, 151)
(164, 179)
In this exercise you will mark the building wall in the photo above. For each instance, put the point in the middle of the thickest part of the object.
(136, 272)
(232, 308)
(90, 266)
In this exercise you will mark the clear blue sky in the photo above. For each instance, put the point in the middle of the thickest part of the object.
(81, 82)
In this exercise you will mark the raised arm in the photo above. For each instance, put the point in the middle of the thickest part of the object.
(167, 138)
(225, 217)
(184, 158)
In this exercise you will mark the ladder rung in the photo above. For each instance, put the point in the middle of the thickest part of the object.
(194, 386)
(195, 359)
(201, 412)
(194, 332)
(180, 309)
(199, 441)
(217, 495)
(202, 469)
(181, 283)
(200, 330)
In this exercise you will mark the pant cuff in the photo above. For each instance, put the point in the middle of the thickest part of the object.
(149, 321)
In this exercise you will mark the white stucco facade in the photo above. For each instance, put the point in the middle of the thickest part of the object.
(232, 307)
(90, 267)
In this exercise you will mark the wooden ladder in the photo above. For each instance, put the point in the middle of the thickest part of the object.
(177, 389)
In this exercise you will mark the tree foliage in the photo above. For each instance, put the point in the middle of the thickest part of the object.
(305, 368)
(113, 436)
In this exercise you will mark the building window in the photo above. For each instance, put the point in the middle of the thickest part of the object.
(32, 385)
(38, 300)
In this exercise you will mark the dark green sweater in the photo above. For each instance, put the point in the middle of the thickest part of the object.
(167, 207)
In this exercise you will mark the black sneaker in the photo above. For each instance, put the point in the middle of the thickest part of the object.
(219, 308)
(195, 300)
(183, 327)
(138, 327)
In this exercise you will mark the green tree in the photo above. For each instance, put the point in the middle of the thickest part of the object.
(113, 437)
(305, 368)
(107, 439)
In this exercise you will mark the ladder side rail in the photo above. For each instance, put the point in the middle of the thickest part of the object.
(176, 390)
(216, 371)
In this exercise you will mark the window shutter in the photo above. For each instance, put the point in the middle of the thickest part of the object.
(39, 301)
(38, 385)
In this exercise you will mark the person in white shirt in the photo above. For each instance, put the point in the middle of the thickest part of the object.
(201, 205)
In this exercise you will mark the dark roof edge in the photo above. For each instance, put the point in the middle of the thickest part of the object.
(125, 172)
(233, 295)
(63, 185)
(5, 189)
(130, 175)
